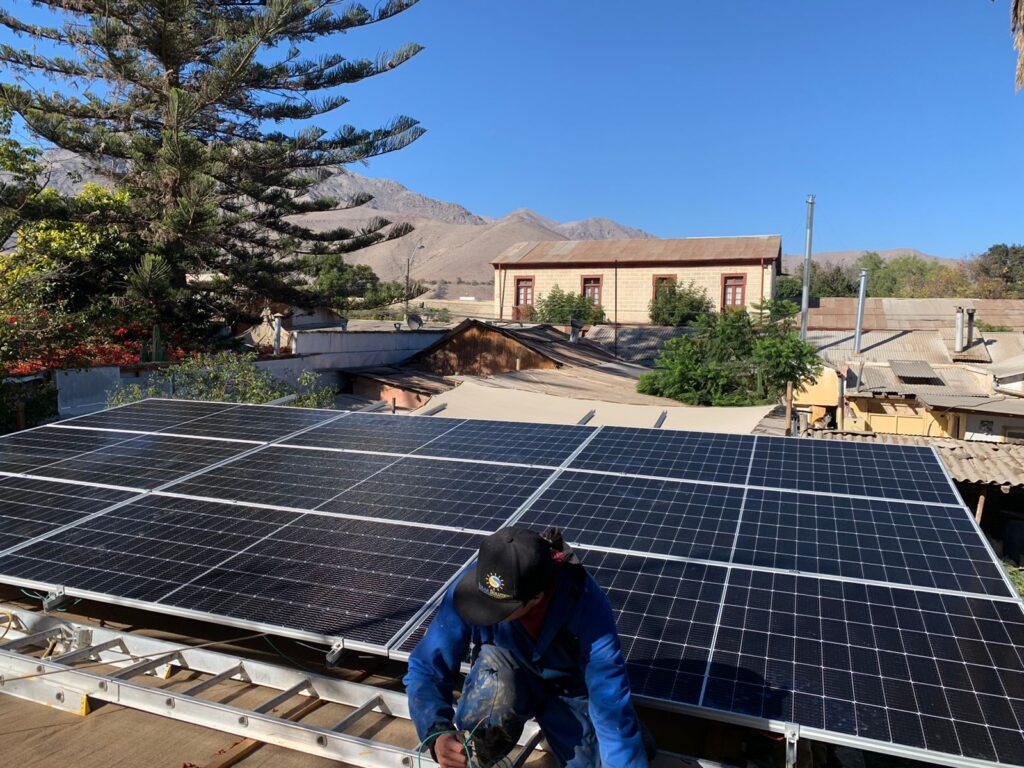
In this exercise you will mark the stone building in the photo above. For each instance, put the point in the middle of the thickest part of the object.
(622, 276)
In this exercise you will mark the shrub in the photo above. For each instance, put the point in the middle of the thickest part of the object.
(679, 305)
(562, 307)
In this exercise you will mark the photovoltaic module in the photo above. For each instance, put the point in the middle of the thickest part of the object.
(837, 589)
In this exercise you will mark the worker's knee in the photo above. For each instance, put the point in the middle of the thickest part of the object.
(491, 695)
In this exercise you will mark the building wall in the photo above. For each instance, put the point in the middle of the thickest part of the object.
(635, 285)
(897, 417)
(481, 352)
(824, 391)
(990, 427)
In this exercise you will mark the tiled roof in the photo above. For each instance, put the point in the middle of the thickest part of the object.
(640, 344)
(882, 381)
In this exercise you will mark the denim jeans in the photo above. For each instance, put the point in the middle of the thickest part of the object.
(499, 696)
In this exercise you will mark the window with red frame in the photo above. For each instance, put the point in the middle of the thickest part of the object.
(661, 283)
(734, 290)
(592, 290)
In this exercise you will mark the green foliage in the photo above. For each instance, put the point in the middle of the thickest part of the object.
(562, 307)
(38, 398)
(679, 305)
(826, 280)
(981, 325)
(224, 377)
(209, 114)
(728, 360)
(1001, 266)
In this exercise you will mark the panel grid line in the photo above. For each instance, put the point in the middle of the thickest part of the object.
(725, 585)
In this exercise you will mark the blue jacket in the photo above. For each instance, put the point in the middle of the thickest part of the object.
(577, 655)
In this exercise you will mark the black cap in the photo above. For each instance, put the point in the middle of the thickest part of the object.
(513, 567)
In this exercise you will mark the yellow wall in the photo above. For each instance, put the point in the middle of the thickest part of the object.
(824, 391)
(635, 285)
(895, 417)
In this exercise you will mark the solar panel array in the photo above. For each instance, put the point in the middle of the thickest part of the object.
(841, 588)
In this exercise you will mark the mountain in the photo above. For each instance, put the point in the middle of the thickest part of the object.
(458, 245)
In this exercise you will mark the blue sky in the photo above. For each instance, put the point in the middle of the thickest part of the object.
(713, 117)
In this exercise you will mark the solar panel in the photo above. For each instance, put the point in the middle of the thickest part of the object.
(665, 612)
(312, 575)
(447, 493)
(645, 515)
(286, 477)
(31, 450)
(259, 423)
(839, 587)
(30, 508)
(941, 673)
(144, 461)
(149, 415)
(375, 432)
(924, 545)
(508, 442)
(661, 453)
(904, 472)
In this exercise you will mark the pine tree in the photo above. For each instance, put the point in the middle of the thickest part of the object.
(190, 106)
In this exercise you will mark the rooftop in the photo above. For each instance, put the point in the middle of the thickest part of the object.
(930, 346)
(761, 248)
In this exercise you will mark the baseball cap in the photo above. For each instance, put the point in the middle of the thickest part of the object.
(513, 567)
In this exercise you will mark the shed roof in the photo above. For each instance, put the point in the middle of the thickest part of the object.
(760, 248)
(999, 406)
(968, 461)
(837, 313)
(542, 339)
(639, 344)
(884, 381)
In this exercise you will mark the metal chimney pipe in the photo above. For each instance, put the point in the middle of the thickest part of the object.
(277, 334)
(958, 338)
(970, 326)
(805, 298)
(861, 299)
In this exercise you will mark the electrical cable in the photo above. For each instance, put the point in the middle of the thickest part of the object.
(10, 622)
(288, 658)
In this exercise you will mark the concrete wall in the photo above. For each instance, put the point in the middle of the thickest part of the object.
(991, 428)
(897, 417)
(377, 347)
(635, 285)
(328, 350)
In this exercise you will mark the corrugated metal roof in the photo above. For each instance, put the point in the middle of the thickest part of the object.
(766, 248)
(639, 344)
(968, 461)
(909, 370)
(881, 380)
(837, 313)
(836, 347)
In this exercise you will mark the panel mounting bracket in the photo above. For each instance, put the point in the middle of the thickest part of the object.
(792, 734)
(334, 654)
(55, 600)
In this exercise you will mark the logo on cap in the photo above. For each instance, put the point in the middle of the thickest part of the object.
(494, 586)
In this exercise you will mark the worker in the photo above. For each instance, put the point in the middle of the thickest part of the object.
(543, 644)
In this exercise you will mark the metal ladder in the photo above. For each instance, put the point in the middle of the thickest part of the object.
(82, 663)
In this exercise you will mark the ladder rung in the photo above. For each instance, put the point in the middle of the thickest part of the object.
(282, 697)
(85, 653)
(355, 714)
(227, 674)
(528, 748)
(145, 666)
(20, 642)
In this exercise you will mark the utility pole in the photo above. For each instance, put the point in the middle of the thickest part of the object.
(805, 300)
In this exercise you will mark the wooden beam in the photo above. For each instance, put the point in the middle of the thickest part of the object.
(789, 408)
(981, 506)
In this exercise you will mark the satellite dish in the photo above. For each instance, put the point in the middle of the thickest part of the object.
(415, 322)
